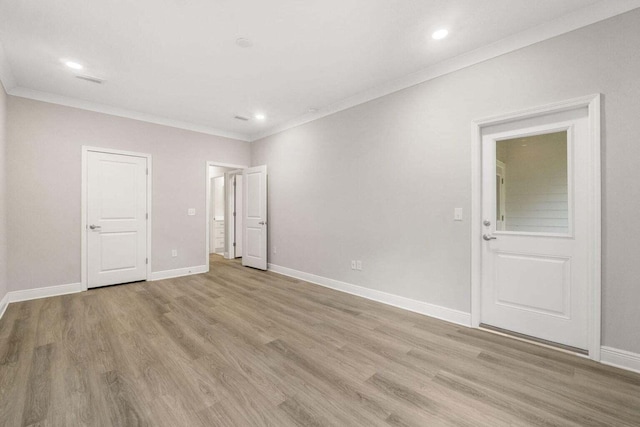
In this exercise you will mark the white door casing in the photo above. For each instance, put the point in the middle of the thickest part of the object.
(255, 217)
(545, 285)
(116, 224)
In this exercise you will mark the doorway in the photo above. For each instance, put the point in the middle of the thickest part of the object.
(115, 217)
(536, 224)
(221, 206)
(244, 224)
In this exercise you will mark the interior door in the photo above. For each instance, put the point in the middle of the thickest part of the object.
(234, 213)
(116, 219)
(238, 226)
(255, 217)
(534, 260)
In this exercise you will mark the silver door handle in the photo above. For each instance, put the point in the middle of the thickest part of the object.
(487, 237)
(262, 223)
(93, 227)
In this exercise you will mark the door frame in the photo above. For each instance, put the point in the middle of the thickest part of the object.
(208, 200)
(84, 279)
(594, 284)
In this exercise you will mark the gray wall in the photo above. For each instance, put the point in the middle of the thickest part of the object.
(44, 178)
(379, 182)
(3, 212)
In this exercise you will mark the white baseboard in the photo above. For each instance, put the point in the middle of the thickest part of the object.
(432, 310)
(29, 294)
(4, 303)
(178, 272)
(49, 291)
(620, 359)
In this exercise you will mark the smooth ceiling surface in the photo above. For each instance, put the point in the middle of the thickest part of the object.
(178, 59)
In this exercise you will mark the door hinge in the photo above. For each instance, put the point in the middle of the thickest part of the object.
(234, 214)
(146, 260)
(234, 244)
(147, 171)
(502, 181)
(147, 216)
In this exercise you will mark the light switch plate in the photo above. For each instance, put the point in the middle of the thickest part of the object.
(457, 214)
(358, 265)
(191, 211)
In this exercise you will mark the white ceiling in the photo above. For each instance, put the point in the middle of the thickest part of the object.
(177, 59)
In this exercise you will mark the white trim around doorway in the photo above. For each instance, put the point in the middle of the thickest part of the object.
(592, 103)
(84, 281)
(208, 200)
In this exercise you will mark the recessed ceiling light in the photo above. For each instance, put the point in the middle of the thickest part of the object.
(244, 42)
(260, 116)
(440, 34)
(73, 65)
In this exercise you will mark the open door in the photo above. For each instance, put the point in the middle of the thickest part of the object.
(234, 213)
(255, 217)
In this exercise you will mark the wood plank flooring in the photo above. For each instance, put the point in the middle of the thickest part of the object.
(241, 347)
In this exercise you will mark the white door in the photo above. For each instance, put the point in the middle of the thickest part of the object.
(535, 233)
(212, 216)
(234, 213)
(116, 218)
(238, 226)
(255, 217)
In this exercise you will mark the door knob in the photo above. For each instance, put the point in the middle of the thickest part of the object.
(262, 223)
(487, 237)
(93, 227)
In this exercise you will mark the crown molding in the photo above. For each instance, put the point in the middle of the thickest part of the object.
(53, 98)
(6, 75)
(562, 25)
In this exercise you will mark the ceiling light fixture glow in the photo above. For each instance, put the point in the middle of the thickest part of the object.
(440, 34)
(260, 116)
(73, 65)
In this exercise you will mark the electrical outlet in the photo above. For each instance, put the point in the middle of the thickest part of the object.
(275, 250)
(191, 211)
(457, 214)
(359, 265)
(353, 265)
(174, 252)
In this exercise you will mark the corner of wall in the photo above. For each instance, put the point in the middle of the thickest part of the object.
(3, 214)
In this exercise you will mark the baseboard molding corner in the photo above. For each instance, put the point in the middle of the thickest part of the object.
(620, 358)
(4, 303)
(178, 272)
(431, 310)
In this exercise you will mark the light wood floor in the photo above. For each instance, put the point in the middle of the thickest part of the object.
(240, 347)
